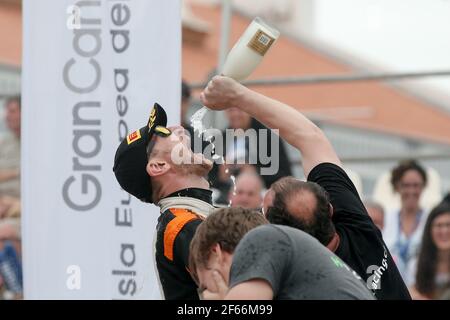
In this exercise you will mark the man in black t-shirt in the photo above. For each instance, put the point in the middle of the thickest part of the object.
(327, 206)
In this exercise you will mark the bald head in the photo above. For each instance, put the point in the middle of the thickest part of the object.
(248, 193)
(301, 205)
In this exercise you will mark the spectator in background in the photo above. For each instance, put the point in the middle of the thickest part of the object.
(248, 191)
(432, 268)
(9, 207)
(10, 261)
(10, 265)
(376, 213)
(404, 226)
(238, 150)
(10, 150)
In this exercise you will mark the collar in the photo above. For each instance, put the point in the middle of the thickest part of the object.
(196, 200)
(196, 193)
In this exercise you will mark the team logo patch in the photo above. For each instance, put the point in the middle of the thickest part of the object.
(152, 119)
(134, 136)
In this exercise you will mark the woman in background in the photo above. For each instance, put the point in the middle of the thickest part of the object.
(432, 278)
(403, 227)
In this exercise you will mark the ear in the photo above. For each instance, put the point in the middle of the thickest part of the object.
(217, 251)
(331, 210)
(157, 167)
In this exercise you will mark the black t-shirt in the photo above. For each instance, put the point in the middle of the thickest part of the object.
(361, 243)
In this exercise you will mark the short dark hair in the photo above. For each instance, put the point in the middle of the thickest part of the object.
(319, 225)
(403, 167)
(446, 199)
(17, 99)
(225, 226)
(185, 90)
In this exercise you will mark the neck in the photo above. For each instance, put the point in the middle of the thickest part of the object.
(410, 211)
(178, 183)
(443, 256)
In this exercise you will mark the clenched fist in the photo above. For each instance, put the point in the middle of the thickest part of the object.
(222, 93)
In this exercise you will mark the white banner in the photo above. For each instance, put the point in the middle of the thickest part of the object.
(91, 73)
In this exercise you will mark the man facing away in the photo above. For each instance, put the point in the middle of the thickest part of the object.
(236, 254)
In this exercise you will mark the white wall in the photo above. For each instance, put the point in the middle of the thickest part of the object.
(390, 35)
(397, 35)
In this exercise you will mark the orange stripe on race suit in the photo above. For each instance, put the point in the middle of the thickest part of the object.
(182, 217)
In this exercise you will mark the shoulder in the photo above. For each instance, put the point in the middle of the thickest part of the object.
(180, 220)
(423, 218)
(332, 178)
(262, 236)
(179, 226)
(326, 170)
(390, 229)
(267, 230)
(411, 270)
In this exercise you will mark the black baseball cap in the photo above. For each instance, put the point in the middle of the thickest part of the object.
(130, 161)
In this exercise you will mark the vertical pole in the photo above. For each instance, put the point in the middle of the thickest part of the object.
(225, 33)
(225, 28)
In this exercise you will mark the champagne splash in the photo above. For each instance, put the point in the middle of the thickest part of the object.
(233, 179)
(197, 121)
(199, 127)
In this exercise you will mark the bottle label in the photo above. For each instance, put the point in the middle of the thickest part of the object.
(261, 42)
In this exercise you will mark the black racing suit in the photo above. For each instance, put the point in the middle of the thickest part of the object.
(175, 230)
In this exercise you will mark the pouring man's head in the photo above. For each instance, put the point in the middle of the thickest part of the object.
(156, 160)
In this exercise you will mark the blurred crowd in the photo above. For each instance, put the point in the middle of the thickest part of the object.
(417, 237)
(10, 209)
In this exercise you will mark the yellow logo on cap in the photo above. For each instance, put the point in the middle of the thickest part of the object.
(152, 119)
(134, 136)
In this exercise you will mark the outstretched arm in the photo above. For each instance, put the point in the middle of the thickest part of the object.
(223, 92)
